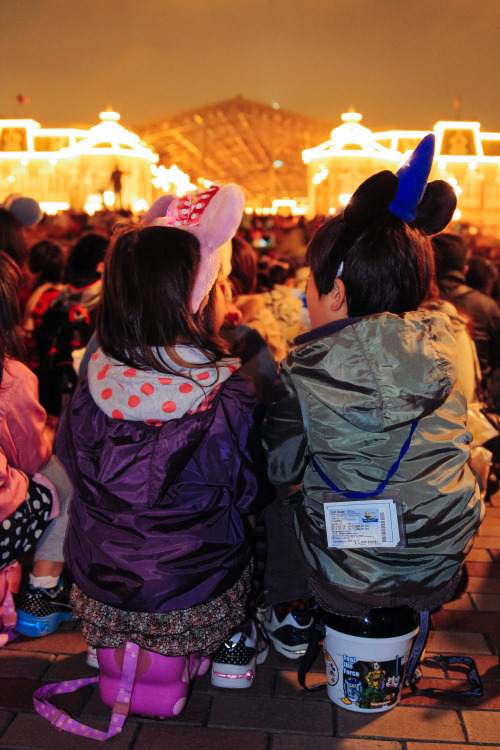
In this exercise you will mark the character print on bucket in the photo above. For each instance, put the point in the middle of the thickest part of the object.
(368, 685)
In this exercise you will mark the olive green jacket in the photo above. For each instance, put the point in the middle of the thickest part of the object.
(349, 394)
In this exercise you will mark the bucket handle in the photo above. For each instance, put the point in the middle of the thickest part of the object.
(475, 685)
(313, 649)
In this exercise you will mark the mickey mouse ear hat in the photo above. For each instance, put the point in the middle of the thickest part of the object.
(428, 207)
(213, 216)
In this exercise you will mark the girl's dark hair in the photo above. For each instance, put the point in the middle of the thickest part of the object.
(388, 268)
(11, 336)
(46, 259)
(148, 277)
(12, 238)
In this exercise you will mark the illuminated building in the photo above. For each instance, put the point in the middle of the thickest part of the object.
(259, 146)
(464, 156)
(70, 167)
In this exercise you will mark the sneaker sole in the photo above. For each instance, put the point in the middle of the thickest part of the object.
(291, 652)
(35, 627)
(232, 676)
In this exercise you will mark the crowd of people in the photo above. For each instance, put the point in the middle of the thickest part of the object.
(182, 393)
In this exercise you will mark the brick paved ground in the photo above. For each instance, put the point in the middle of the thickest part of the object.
(275, 713)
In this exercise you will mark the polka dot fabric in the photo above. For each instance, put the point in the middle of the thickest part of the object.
(23, 528)
(188, 209)
(147, 683)
(123, 392)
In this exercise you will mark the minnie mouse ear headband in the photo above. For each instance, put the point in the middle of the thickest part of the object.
(426, 206)
(158, 210)
(213, 216)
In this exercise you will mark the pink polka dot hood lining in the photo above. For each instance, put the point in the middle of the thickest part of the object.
(123, 392)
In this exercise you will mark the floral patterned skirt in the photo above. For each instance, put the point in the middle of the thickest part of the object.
(201, 628)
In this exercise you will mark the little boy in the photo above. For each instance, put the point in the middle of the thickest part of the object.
(369, 422)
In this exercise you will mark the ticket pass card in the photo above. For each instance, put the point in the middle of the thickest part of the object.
(370, 522)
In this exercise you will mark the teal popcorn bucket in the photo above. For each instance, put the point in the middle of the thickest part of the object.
(366, 657)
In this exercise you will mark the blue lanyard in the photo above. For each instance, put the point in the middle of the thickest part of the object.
(382, 485)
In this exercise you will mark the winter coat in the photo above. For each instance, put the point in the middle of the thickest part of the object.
(165, 471)
(350, 392)
(469, 369)
(24, 447)
(485, 314)
(256, 314)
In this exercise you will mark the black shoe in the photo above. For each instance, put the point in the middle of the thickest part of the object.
(233, 664)
(41, 611)
(289, 626)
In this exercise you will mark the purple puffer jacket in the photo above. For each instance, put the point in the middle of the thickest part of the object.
(158, 518)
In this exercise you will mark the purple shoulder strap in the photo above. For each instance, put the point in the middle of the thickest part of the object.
(62, 721)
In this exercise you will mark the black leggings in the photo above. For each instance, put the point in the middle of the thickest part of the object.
(20, 531)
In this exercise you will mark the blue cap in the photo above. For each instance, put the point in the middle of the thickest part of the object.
(26, 210)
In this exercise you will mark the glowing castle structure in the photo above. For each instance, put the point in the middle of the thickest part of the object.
(74, 168)
(108, 165)
(466, 157)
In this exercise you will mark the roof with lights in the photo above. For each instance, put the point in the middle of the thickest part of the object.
(259, 146)
(456, 141)
(106, 138)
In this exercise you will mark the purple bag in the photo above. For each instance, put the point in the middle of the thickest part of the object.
(131, 680)
(10, 576)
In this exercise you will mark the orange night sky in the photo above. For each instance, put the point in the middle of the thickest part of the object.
(401, 63)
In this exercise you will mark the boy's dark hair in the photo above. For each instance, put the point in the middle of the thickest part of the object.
(450, 253)
(387, 268)
(83, 259)
(11, 338)
(46, 259)
(147, 282)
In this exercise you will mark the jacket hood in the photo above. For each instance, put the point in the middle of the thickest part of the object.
(380, 371)
(124, 392)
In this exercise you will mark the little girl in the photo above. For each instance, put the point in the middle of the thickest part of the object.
(28, 498)
(162, 442)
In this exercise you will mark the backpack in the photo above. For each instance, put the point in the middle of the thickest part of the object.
(131, 680)
(67, 325)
